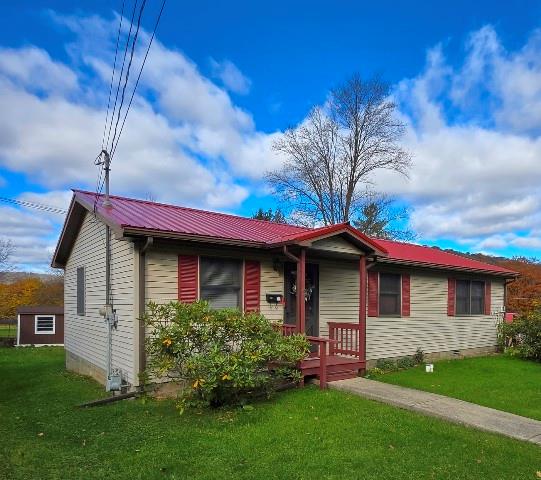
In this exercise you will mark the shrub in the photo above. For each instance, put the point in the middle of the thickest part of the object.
(386, 364)
(419, 357)
(221, 356)
(523, 336)
(405, 362)
(374, 372)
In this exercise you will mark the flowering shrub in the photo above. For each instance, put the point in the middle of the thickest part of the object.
(522, 337)
(221, 356)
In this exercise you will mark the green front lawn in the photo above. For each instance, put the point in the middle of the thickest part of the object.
(300, 434)
(496, 381)
(8, 331)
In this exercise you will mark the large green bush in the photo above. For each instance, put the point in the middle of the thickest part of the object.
(522, 337)
(220, 356)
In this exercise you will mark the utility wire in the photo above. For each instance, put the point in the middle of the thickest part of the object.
(127, 76)
(37, 206)
(139, 77)
(113, 74)
(122, 70)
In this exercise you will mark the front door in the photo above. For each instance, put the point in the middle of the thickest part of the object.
(311, 297)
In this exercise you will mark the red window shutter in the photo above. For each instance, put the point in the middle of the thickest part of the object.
(373, 294)
(405, 295)
(451, 293)
(252, 276)
(188, 266)
(488, 292)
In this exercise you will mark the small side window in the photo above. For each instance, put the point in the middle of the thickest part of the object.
(81, 291)
(389, 294)
(44, 325)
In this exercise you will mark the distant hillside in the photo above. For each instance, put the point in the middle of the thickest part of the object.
(12, 277)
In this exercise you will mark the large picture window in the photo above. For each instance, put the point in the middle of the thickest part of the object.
(389, 294)
(220, 282)
(470, 297)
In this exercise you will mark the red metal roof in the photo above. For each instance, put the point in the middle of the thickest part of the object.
(141, 214)
(409, 252)
(128, 213)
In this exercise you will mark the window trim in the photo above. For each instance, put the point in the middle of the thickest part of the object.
(201, 287)
(48, 332)
(470, 281)
(390, 315)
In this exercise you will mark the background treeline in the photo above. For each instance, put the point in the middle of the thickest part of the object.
(18, 289)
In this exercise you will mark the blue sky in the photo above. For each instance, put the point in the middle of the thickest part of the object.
(225, 78)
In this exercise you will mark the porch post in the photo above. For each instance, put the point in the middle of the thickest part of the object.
(301, 280)
(362, 308)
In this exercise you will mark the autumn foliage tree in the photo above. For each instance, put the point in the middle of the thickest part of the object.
(524, 294)
(29, 291)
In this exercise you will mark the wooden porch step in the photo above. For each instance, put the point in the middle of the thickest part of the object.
(343, 375)
(338, 367)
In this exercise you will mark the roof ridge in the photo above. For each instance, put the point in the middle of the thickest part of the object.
(170, 205)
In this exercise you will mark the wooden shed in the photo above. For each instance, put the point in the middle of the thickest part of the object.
(40, 325)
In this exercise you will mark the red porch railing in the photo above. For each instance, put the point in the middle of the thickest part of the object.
(346, 338)
(344, 341)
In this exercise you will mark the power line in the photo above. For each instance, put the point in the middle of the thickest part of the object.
(37, 206)
(122, 70)
(113, 74)
(127, 76)
(139, 76)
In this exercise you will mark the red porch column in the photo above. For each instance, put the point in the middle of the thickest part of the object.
(362, 308)
(301, 280)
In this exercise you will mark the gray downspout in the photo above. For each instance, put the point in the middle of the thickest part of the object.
(142, 304)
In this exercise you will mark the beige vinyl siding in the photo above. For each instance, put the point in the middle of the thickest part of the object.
(338, 292)
(161, 276)
(86, 335)
(336, 245)
(428, 327)
(272, 281)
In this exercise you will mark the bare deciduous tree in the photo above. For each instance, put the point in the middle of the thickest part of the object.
(6, 250)
(331, 156)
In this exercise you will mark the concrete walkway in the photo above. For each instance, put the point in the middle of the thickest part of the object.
(447, 408)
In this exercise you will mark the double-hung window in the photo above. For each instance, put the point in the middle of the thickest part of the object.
(44, 325)
(220, 282)
(470, 297)
(390, 294)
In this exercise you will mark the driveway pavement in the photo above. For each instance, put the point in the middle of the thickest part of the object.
(447, 408)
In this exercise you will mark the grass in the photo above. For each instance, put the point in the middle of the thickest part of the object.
(300, 434)
(497, 381)
(8, 331)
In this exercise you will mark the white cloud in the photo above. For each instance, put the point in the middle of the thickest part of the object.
(182, 146)
(232, 78)
(34, 69)
(31, 235)
(476, 171)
